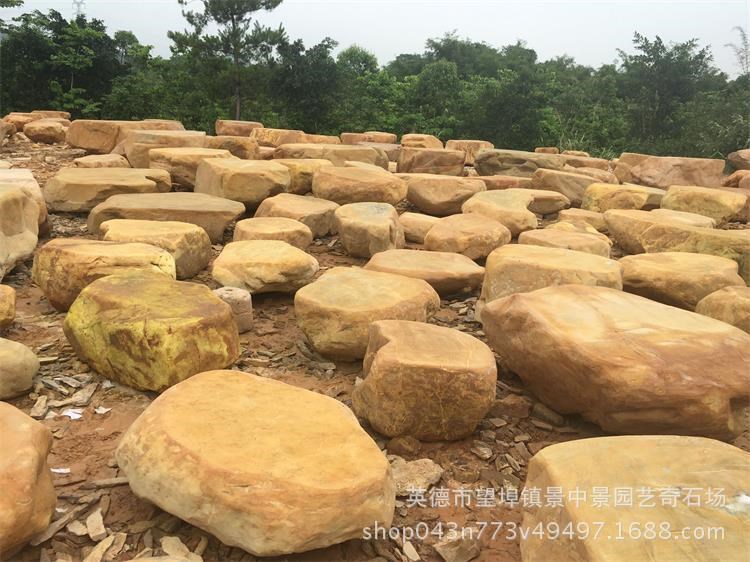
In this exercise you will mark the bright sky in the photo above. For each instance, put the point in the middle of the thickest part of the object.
(591, 31)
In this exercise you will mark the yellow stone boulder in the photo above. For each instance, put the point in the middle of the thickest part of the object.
(417, 140)
(316, 213)
(19, 227)
(730, 305)
(302, 171)
(365, 229)
(337, 154)
(439, 195)
(502, 162)
(7, 306)
(509, 207)
(600, 197)
(416, 226)
(472, 234)
(431, 161)
(568, 239)
(287, 230)
(246, 181)
(470, 147)
(722, 205)
(358, 185)
(236, 128)
(182, 162)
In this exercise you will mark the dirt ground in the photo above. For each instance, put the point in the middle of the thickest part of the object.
(83, 450)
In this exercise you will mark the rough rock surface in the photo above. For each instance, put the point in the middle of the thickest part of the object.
(730, 305)
(236, 128)
(337, 154)
(473, 235)
(369, 136)
(448, 273)
(417, 140)
(241, 147)
(431, 161)
(509, 207)
(602, 197)
(302, 171)
(246, 181)
(101, 136)
(572, 185)
(19, 227)
(316, 213)
(663, 171)
(264, 266)
(557, 238)
(336, 310)
(102, 161)
(276, 137)
(591, 217)
(679, 279)
(689, 219)
(213, 214)
(291, 488)
(290, 231)
(358, 185)
(18, 366)
(424, 381)
(501, 162)
(722, 205)
(137, 144)
(470, 147)
(643, 462)
(618, 359)
(368, 228)
(740, 159)
(24, 179)
(77, 190)
(504, 182)
(182, 162)
(416, 226)
(47, 131)
(28, 499)
(438, 195)
(7, 306)
(241, 303)
(150, 332)
(188, 244)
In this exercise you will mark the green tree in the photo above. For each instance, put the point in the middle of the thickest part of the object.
(741, 50)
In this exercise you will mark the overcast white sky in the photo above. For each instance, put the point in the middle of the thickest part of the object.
(590, 31)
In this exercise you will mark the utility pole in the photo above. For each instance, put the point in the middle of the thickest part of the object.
(78, 7)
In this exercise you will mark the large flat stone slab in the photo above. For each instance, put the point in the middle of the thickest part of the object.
(618, 359)
(570, 240)
(235, 127)
(472, 234)
(302, 171)
(212, 214)
(470, 147)
(138, 143)
(102, 136)
(509, 207)
(419, 140)
(337, 154)
(722, 205)
(358, 185)
(602, 197)
(663, 171)
(571, 184)
(290, 231)
(416, 226)
(246, 181)
(316, 213)
(368, 228)
(182, 162)
(502, 162)
(431, 161)
(438, 195)
(290, 488)
(269, 137)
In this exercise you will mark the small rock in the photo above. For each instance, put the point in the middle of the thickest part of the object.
(414, 475)
(401, 446)
(459, 547)
(547, 414)
(512, 405)
(77, 528)
(95, 525)
(482, 450)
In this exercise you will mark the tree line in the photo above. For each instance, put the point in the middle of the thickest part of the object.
(660, 98)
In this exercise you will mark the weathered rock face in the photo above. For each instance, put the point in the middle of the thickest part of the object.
(520, 268)
(431, 161)
(102, 161)
(7, 306)
(64, 266)
(51, 114)
(337, 154)
(19, 227)
(730, 305)
(447, 273)
(240, 146)
(618, 359)
(470, 147)
(438, 195)
(7, 129)
(680, 217)
(721, 205)
(277, 137)
(19, 120)
(416, 226)
(663, 171)
(28, 499)
(378, 137)
(101, 137)
(301, 172)
(264, 266)
(679, 279)
(504, 182)
(150, 332)
(570, 240)
(416, 140)
(736, 178)
(187, 243)
(424, 381)
(602, 176)
(290, 231)
(547, 150)
(246, 181)
(236, 128)
(500, 162)
(212, 214)
(45, 131)
(473, 235)
(368, 228)
(274, 494)
(358, 185)
(76, 190)
(572, 185)
(137, 144)
(18, 366)
(316, 213)
(509, 207)
(639, 463)
(335, 311)
(24, 179)
(740, 159)
(241, 303)
(182, 162)
(600, 197)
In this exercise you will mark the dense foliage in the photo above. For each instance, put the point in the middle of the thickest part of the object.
(662, 98)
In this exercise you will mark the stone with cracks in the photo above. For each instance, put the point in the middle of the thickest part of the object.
(501, 162)
(76, 190)
(101, 161)
(572, 185)
(472, 235)
(264, 266)
(510, 207)
(212, 214)
(431, 161)
(316, 213)
(335, 311)
(276, 137)
(302, 171)
(236, 128)
(619, 360)
(337, 154)
(470, 147)
(663, 171)
(182, 162)
(416, 226)
(448, 273)
(730, 305)
(722, 205)
(593, 218)
(46, 131)
(241, 147)
(292, 487)
(28, 499)
(368, 228)
(358, 185)
(150, 332)
(18, 367)
(644, 462)
(600, 197)
(570, 240)
(19, 227)
(187, 243)
(424, 381)
(521, 268)
(287, 230)
(438, 195)
(417, 140)
(137, 144)
(246, 181)
(64, 266)
(678, 279)
(681, 217)
(7, 306)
